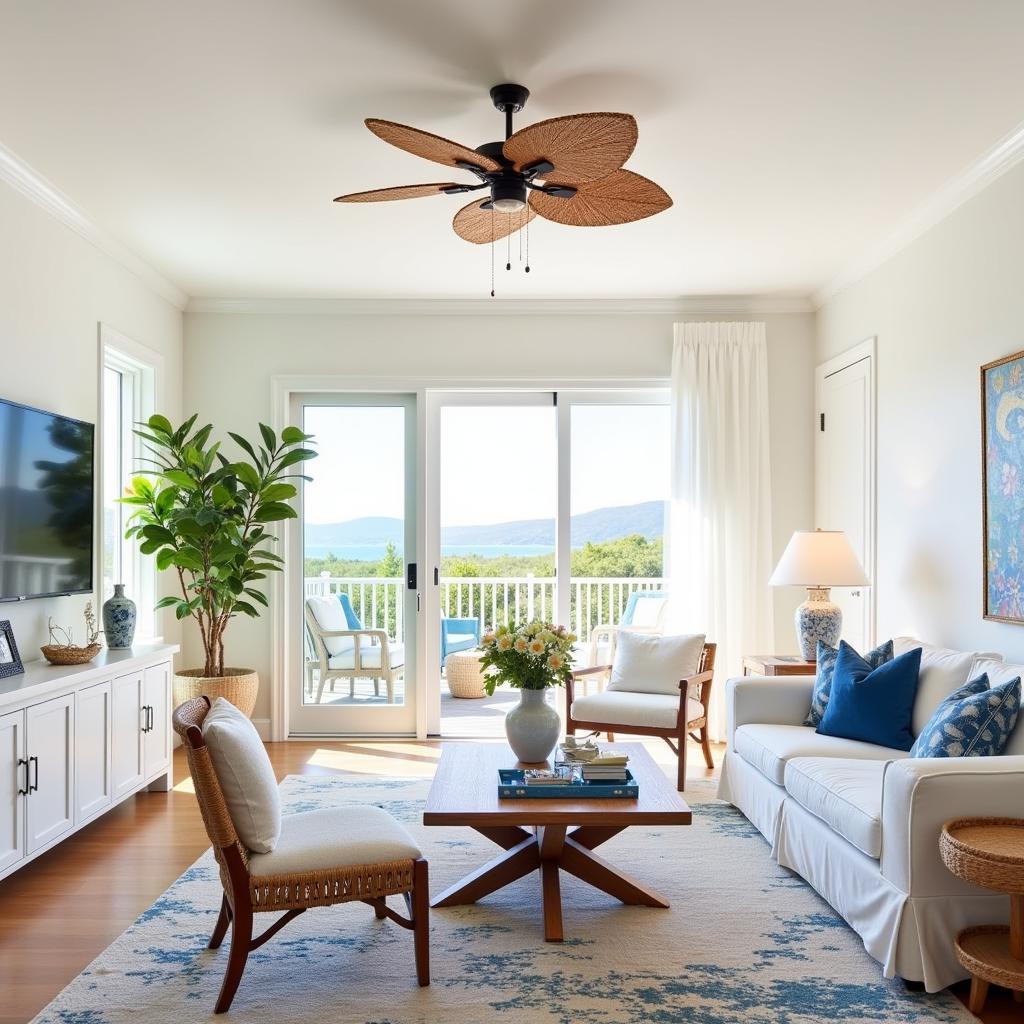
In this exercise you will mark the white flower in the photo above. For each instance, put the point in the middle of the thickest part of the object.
(504, 642)
(555, 662)
(536, 646)
(488, 640)
(520, 644)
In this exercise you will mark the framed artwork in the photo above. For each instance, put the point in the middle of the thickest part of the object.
(10, 660)
(1002, 475)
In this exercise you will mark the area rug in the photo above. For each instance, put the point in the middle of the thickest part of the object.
(745, 942)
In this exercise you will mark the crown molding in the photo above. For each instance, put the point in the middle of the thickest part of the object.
(24, 179)
(1002, 157)
(699, 305)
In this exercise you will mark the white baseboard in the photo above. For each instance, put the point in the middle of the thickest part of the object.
(262, 727)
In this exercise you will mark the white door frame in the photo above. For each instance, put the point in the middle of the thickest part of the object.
(867, 349)
(286, 605)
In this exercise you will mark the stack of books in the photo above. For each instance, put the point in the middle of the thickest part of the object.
(544, 777)
(608, 766)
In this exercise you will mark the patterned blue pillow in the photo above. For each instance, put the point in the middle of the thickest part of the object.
(974, 721)
(826, 667)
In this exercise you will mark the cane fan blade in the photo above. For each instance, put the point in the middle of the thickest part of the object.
(617, 199)
(582, 147)
(479, 226)
(381, 195)
(430, 147)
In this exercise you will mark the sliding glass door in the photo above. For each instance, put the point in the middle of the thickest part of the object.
(359, 586)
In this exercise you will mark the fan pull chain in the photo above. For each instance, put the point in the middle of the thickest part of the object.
(527, 246)
(508, 247)
(519, 232)
(492, 252)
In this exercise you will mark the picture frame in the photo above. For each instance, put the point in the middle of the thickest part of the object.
(1002, 489)
(10, 659)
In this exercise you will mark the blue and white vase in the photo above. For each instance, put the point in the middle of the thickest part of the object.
(119, 615)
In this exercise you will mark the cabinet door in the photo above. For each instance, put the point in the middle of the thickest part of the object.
(156, 697)
(50, 742)
(12, 785)
(126, 733)
(92, 751)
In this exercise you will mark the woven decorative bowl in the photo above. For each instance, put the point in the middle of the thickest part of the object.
(58, 654)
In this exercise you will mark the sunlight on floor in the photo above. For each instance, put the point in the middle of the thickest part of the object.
(185, 786)
(387, 759)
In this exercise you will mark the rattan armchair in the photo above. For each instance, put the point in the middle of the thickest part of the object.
(246, 894)
(691, 720)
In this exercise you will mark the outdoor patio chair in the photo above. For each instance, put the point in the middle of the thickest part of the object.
(458, 635)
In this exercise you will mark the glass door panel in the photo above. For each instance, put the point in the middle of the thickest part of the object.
(357, 527)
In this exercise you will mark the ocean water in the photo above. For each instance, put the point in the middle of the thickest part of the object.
(375, 552)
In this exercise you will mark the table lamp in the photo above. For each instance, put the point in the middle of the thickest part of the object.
(818, 560)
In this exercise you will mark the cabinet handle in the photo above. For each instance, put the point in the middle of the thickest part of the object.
(149, 717)
(34, 787)
(26, 790)
(145, 718)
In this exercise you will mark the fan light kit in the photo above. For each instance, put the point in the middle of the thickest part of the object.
(566, 169)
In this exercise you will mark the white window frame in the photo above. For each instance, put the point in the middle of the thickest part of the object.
(142, 370)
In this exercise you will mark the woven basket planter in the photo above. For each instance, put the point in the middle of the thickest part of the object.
(464, 675)
(238, 685)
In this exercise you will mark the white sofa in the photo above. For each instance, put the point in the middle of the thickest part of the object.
(861, 823)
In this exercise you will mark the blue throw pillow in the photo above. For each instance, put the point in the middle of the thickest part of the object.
(826, 667)
(974, 721)
(872, 704)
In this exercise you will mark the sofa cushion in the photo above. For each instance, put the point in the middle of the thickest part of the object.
(769, 747)
(645, 663)
(1000, 672)
(335, 837)
(846, 793)
(942, 671)
(245, 774)
(825, 670)
(645, 710)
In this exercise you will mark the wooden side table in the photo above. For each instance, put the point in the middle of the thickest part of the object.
(777, 665)
(990, 852)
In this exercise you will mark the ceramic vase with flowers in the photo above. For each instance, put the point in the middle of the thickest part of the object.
(532, 658)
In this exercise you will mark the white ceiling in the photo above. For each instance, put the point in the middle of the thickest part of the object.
(210, 136)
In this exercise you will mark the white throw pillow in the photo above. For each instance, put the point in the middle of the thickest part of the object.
(654, 664)
(647, 612)
(246, 775)
(330, 616)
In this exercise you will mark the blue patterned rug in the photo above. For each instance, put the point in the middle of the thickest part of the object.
(744, 943)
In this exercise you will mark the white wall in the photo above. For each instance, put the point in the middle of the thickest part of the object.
(945, 305)
(229, 359)
(55, 288)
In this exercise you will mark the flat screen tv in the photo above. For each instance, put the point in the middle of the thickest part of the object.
(46, 504)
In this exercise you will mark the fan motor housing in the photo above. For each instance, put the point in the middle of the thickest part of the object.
(508, 185)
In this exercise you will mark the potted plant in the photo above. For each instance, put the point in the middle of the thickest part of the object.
(206, 518)
(531, 657)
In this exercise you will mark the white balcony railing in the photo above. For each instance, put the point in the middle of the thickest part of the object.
(593, 600)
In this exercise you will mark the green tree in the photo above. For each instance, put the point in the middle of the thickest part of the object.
(391, 564)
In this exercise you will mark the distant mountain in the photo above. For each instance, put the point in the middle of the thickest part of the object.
(602, 524)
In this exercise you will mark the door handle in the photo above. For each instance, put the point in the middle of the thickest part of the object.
(437, 576)
(26, 790)
(410, 576)
(33, 788)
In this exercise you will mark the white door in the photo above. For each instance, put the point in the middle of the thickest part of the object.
(844, 475)
(126, 733)
(357, 569)
(93, 789)
(156, 698)
(13, 786)
(50, 742)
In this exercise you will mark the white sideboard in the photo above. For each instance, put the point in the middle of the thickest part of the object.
(77, 740)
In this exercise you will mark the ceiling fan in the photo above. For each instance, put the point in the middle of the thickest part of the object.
(566, 169)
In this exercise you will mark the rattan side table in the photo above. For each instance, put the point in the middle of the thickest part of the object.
(990, 852)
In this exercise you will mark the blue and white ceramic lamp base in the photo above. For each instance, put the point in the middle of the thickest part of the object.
(818, 618)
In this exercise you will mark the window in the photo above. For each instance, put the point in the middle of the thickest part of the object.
(127, 394)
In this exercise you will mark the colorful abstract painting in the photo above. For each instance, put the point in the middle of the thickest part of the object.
(1002, 403)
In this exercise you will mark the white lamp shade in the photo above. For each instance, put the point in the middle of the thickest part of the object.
(819, 558)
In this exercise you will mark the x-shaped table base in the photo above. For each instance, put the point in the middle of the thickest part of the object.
(549, 849)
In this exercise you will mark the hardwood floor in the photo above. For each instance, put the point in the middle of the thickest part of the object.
(62, 910)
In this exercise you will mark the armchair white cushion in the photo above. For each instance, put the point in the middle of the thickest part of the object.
(646, 663)
(330, 617)
(246, 775)
(644, 710)
(369, 656)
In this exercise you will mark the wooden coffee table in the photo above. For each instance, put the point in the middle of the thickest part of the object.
(534, 833)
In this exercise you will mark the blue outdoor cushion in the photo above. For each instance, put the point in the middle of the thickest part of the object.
(871, 704)
(974, 721)
(826, 667)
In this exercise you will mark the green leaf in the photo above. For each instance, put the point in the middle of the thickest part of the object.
(149, 547)
(269, 437)
(182, 432)
(244, 445)
(292, 435)
(161, 424)
(248, 475)
(274, 512)
(187, 561)
(181, 478)
(165, 559)
(158, 533)
(257, 596)
(278, 492)
(182, 611)
(201, 436)
(247, 609)
(168, 602)
(296, 455)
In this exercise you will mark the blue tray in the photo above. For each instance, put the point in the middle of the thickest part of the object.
(512, 787)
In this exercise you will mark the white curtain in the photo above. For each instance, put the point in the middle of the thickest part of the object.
(719, 543)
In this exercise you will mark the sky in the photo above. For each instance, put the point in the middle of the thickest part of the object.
(498, 463)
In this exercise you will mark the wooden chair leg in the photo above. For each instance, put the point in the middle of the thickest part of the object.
(705, 743)
(421, 921)
(241, 943)
(221, 927)
(379, 911)
(681, 771)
